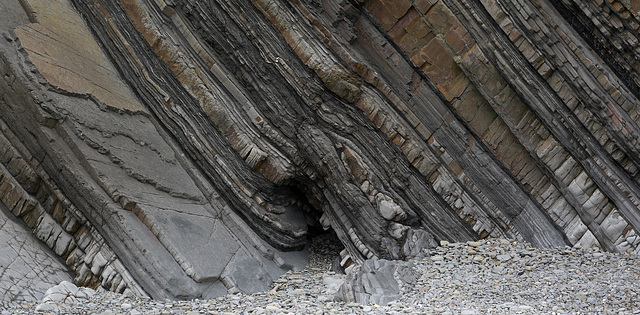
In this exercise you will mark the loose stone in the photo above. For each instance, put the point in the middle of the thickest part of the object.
(541, 281)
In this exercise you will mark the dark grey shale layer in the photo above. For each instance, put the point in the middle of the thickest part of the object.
(188, 149)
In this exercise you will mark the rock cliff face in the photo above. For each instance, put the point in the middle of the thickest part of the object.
(185, 149)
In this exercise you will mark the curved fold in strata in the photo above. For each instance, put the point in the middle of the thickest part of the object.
(126, 178)
(195, 140)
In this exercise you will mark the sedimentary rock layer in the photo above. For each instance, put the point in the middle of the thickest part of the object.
(183, 149)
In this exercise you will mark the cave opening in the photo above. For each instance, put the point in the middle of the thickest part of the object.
(322, 242)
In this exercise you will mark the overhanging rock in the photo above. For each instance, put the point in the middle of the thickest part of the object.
(185, 149)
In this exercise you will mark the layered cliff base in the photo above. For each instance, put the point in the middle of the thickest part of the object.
(185, 149)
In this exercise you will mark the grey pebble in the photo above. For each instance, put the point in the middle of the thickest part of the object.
(501, 277)
(503, 257)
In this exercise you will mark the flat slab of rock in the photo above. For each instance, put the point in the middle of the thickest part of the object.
(168, 226)
(67, 56)
(187, 150)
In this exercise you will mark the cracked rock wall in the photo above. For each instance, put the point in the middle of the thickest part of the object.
(28, 267)
(186, 149)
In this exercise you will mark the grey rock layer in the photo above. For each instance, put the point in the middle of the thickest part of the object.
(28, 267)
(186, 149)
(378, 281)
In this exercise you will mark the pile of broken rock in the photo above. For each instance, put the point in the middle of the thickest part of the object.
(488, 276)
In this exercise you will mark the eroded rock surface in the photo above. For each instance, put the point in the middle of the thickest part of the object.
(63, 293)
(378, 281)
(28, 268)
(186, 149)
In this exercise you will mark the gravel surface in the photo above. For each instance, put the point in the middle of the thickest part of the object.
(484, 277)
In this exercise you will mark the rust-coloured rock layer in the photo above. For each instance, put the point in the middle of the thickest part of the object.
(185, 149)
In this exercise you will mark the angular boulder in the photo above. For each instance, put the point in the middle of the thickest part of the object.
(186, 149)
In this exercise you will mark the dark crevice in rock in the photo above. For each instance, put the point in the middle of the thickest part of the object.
(304, 115)
(195, 140)
(184, 128)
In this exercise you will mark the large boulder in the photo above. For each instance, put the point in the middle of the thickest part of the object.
(186, 149)
(378, 281)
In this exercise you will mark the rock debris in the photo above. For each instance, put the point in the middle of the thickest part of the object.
(457, 278)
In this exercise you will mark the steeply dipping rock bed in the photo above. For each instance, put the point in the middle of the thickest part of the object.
(188, 149)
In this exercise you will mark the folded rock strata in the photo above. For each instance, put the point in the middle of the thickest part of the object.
(186, 149)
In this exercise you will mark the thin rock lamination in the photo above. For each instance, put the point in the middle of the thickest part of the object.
(186, 149)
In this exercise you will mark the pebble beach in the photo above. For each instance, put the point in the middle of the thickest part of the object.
(484, 277)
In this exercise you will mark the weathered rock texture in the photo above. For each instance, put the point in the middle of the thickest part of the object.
(378, 281)
(28, 267)
(182, 148)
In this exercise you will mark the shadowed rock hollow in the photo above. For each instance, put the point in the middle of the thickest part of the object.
(186, 149)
